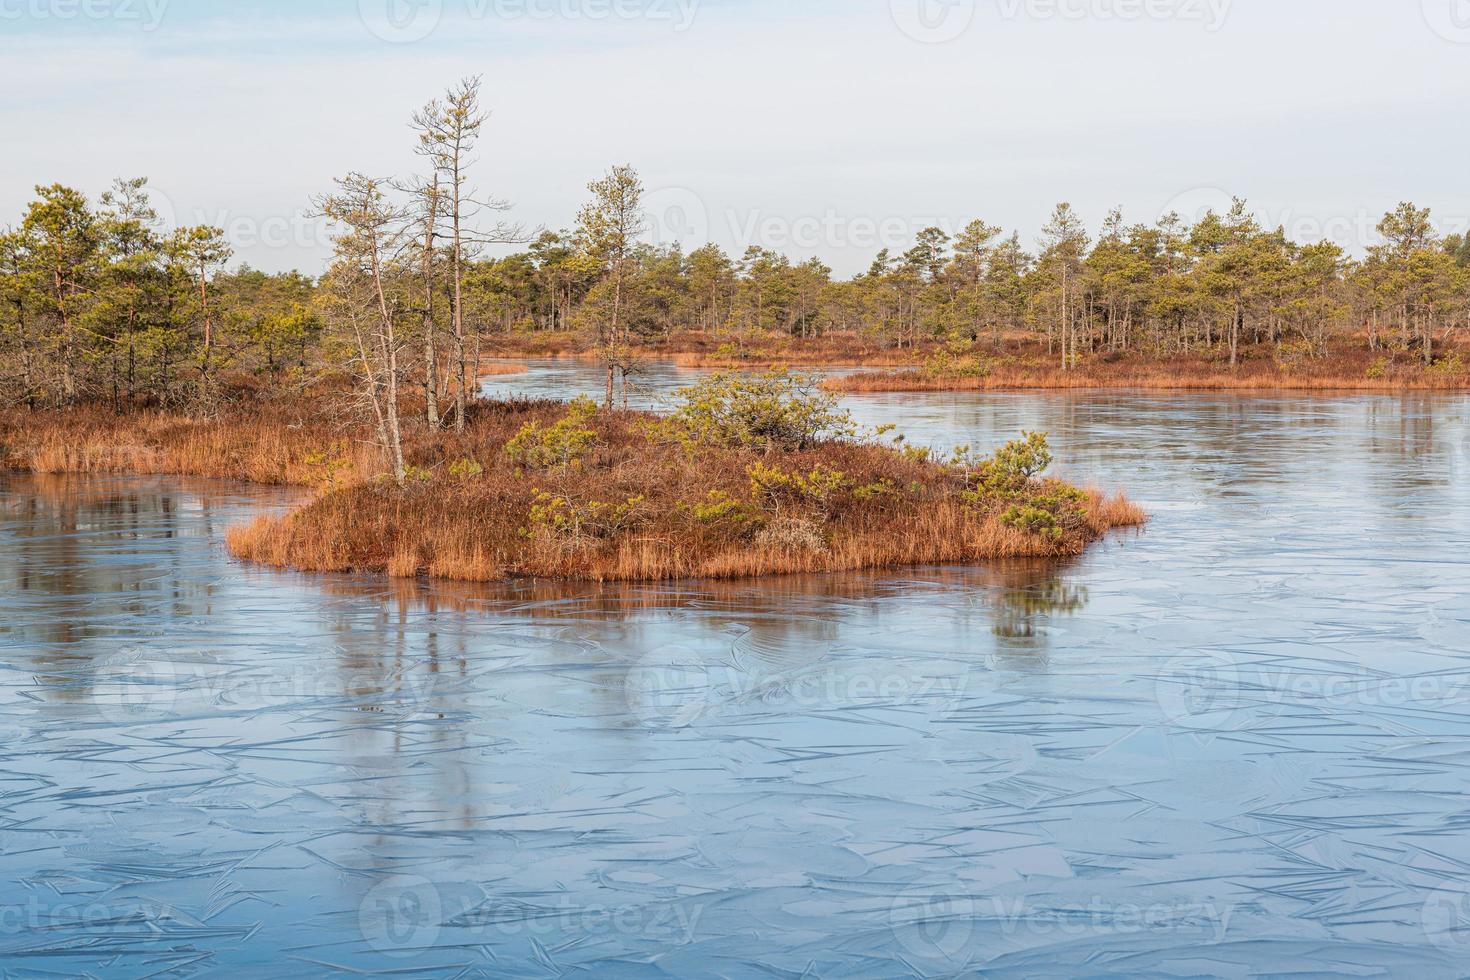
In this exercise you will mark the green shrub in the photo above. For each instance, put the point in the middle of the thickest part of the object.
(330, 465)
(1011, 470)
(775, 487)
(1033, 520)
(1451, 366)
(1296, 353)
(945, 364)
(1009, 482)
(775, 410)
(718, 507)
(878, 490)
(465, 469)
(562, 445)
(565, 517)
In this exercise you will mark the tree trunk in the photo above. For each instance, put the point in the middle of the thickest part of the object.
(431, 359)
(459, 346)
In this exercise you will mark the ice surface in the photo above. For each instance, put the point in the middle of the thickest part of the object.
(1237, 745)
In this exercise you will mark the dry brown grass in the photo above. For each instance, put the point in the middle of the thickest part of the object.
(278, 445)
(500, 369)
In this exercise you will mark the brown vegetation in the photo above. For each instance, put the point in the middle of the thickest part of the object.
(543, 489)
(287, 443)
(500, 369)
(1344, 366)
(641, 507)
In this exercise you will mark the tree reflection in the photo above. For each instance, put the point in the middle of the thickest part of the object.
(1030, 597)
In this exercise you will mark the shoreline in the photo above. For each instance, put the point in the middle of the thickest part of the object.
(1349, 369)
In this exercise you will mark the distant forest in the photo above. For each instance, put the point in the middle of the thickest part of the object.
(100, 304)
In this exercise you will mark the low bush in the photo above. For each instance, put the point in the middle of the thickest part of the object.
(561, 445)
(775, 411)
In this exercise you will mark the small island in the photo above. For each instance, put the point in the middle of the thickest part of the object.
(748, 475)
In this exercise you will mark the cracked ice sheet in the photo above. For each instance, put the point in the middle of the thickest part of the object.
(1235, 746)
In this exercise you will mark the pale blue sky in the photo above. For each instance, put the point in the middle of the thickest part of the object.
(814, 126)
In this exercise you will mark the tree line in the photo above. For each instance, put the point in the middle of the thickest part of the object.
(1161, 289)
(98, 303)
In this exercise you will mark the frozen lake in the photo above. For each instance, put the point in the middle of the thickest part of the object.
(1235, 745)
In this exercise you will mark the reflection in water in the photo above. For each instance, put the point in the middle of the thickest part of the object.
(1239, 728)
(1034, 592)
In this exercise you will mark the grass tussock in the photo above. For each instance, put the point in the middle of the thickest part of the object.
(501, 369)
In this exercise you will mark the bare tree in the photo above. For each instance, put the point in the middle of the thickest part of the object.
(374, 232)
(449, 131)
(426, 196)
